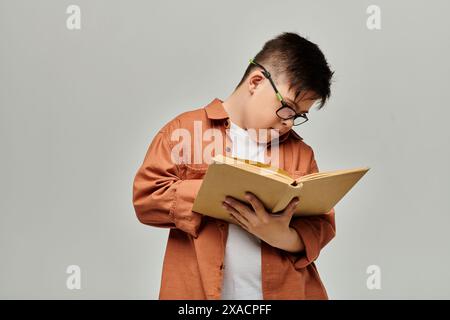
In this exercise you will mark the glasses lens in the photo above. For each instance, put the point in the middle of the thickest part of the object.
(299, 121)
(286, 113)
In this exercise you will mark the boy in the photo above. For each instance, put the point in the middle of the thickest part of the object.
(260, 255)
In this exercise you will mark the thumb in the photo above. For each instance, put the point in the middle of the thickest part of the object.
(290, 209)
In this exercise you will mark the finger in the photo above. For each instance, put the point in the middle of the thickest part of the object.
(234, 212)
(239, 219)
(257, 205)
(242, 209)
(238, 222)
(290, 209)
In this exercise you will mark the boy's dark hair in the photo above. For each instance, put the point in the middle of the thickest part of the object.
(297, 59)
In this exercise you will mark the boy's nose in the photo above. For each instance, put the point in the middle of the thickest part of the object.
(287, 124)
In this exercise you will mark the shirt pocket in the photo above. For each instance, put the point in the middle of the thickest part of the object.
(193, 171)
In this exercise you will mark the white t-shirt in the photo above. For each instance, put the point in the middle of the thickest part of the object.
(242, 261)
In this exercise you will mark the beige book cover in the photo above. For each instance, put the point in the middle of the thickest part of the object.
(318, 192)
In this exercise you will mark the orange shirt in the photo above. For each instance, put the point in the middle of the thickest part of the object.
(164, 192)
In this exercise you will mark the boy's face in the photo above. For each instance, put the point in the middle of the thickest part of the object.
(260, 112)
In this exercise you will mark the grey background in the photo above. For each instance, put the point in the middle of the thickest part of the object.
(79, 109)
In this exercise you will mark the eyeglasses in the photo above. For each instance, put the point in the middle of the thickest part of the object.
(285, 112)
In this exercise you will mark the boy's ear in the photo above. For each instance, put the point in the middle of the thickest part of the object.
(255, 79)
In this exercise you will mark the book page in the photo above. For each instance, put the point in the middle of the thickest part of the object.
(319, 175)
(256, 167)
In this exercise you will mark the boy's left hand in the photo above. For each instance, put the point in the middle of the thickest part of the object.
(272, 228)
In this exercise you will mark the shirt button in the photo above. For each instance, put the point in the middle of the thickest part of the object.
(228, 149)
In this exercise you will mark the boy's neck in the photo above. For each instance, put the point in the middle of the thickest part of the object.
(234, 105)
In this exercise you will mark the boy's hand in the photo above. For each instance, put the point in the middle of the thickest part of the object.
(274, 229)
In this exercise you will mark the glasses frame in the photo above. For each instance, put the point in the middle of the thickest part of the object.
(280, 98)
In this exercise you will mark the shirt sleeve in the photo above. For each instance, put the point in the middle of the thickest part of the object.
(315, 231)
(160, 197)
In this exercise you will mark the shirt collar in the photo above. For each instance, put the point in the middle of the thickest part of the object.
(216, 111)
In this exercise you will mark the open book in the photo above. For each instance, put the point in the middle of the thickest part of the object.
(318, 192)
